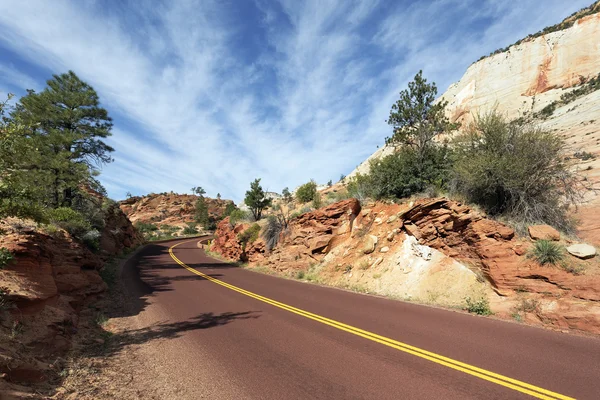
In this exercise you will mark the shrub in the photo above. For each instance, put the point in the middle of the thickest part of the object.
(515, 170)
(92, 240)
(360, 187)
(201, 212)
(190, 229)
(249, 235)
(70, 220)
(229, 208)
(547, 252)
(271, 232)
(144, 227)
(317, 202)
(238, 215)
(307, 192)
(405, 173)
(479, 307)
(6, 257)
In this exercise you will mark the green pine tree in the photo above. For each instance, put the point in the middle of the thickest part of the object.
(69, 123)
(256, 199)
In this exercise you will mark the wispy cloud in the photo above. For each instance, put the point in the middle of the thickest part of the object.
(216, 94)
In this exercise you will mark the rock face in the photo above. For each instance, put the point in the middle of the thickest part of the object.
(529, 76)
(169, 208)
(583, 251)
(308, 238)
(543, 232)
(466, 236)
(45, 285)
(119, 233)
(427, 248)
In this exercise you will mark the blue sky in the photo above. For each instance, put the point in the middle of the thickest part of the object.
(217, 93)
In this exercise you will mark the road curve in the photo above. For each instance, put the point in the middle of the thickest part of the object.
(218, 331)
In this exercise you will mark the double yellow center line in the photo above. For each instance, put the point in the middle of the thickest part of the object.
(489, 376)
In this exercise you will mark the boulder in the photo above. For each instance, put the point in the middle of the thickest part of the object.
(543, 232)
(369, 244)
(384, 249)
(582, 250)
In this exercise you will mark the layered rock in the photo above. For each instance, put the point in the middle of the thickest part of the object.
(44, 286)
(468, 237)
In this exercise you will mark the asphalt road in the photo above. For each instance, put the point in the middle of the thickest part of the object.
(219, 331)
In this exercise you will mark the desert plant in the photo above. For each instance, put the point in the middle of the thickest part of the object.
(307, 192)
(517, 171)
(229, 208)
(407, 172)
(6, 257)
(360, 187)
(547, 252)
(236, 216)
(479, 306)
(190, 229)
(249, 235)
(70, 220)
(271, 232)
(317, 202)
(92, 239)
(527, 305)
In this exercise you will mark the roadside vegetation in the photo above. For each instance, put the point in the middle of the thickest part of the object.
(512, 170)
(51, 150)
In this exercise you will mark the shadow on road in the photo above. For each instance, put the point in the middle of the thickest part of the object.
(116, 342)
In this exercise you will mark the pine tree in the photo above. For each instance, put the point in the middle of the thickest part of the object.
(417, 119)
(256, 199)
(67, 119)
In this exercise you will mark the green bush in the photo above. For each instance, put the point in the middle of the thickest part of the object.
(402, 174)
(238, 215)
(514, 170)
(145, 227)
(70, 220)
(547, 252)
(317, 202)
(307, 192)
(229, 208)
(92, 240)
(249, 235)
(480, 306)
(6, 257)
(271, 232)
(190, 229)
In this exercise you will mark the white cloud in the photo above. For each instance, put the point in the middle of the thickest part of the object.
(312, 104)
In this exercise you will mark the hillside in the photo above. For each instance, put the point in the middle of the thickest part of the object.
(170, 213)
(550, 79)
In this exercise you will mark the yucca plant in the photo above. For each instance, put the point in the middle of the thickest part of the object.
(547, 252)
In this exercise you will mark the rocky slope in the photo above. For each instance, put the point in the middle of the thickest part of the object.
(44, 287)
(169, 208)
(551, 80)
(434, 251)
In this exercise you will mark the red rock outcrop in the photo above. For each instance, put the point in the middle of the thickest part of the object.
(45, 285)
(308, 238)
(118, 233)
(465, 235)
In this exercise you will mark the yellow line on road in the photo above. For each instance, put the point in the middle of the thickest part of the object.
(502, 380)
